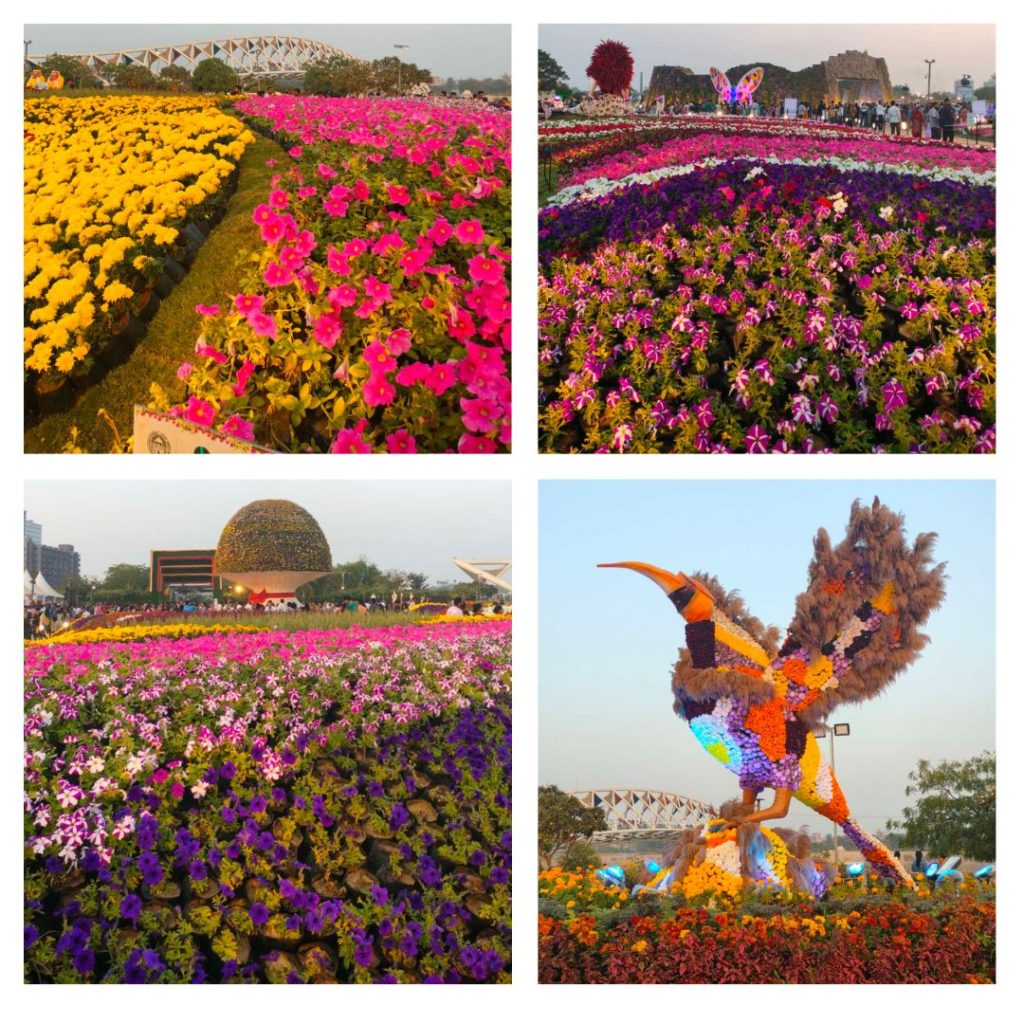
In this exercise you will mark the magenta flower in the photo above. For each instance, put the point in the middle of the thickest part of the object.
(894, 394)
(758, 440)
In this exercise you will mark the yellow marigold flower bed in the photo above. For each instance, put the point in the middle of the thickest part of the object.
(152, 631)
(109, 180)
(466, 618)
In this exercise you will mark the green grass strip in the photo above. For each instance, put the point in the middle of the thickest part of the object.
(170, 338)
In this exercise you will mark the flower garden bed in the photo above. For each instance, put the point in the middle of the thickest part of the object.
(593, 933)
(377, 316)
(751, 287)
(120, 193)
(307, 806)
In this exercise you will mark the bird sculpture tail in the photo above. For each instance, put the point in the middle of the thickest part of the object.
(879, 857)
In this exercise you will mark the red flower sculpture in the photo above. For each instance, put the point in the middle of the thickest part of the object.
(611, 66)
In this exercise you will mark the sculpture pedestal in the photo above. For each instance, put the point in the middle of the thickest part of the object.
(720, 861)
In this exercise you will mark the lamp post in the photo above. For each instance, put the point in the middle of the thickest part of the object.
(929, 61)
(28, 43)
(400, 47)
(839, 729)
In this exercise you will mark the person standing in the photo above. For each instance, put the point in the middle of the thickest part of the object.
(917, 121)
(947, 120)
(894, 116)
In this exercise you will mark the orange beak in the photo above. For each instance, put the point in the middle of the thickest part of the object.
(700, 603)
(668, 581)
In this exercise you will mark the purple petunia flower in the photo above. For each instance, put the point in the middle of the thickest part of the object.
(259, 914)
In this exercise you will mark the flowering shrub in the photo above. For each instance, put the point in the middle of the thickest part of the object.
(377, 317)
(947, 940)
(286, 806)
(109, 182)
(758, 302)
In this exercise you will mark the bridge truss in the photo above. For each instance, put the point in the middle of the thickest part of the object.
(643, 813)
(261, 56)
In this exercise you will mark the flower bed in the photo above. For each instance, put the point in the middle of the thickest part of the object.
(109, 185)
(147, 631)
(805, 302)
(301, 806)
(861, 931)
(888, 942)
(377, 317)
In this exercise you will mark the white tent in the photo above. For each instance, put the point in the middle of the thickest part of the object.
(41, 589)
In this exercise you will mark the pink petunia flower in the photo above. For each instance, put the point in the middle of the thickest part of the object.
(470, 232)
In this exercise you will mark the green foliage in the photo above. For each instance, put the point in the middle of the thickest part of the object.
(176, 78)
(133, 77)
(955, 809)
(491, 86)
(551, 76)
(213, 75)
(580, 856)
(390, 74)
(562, 821)
(337, 76)
(75, 73)
(123, 584)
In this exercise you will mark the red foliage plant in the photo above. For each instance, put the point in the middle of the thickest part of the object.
(892, 945)
(611, 66)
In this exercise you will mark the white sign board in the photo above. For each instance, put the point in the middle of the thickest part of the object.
(791, 106)
(979, 107)
(157, 433)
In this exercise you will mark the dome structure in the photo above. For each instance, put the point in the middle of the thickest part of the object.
(272, 548)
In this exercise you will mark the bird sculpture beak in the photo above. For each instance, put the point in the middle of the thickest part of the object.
(690, 597)
(668, 581)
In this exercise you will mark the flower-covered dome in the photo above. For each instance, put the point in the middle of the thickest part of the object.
(272, 536)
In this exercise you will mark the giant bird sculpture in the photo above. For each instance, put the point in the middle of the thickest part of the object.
(754, 708)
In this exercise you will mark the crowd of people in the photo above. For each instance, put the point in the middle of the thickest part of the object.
(44, 617)
(934, 119)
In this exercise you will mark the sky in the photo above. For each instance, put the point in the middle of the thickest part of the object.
(956, 49)
(413, 526)
(456, 51)
(609, 638)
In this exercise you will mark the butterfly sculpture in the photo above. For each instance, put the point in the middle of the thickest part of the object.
(742, 93)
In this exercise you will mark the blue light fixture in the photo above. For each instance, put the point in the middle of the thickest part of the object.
(932, 870)
(985, 871)
(653, 866)
(855, 870)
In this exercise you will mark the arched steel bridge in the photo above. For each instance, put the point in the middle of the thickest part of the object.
(643, 813)
(263, 56)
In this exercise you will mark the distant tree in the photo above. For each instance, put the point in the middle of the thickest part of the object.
(134, 77)
(337, 76)
(74, 72)
(987, 93)
(213, 75)
(551, 76)
(955, 810)
(175, 77)
(123, 583)
(492, 86)
(562, 821)
(388, 73)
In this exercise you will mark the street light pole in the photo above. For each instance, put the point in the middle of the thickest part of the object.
(929, 61)
(400, 47)
(28, 43)
(835, 826)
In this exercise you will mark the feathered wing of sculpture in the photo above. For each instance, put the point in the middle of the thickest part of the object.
(754, 706)
(743, 92)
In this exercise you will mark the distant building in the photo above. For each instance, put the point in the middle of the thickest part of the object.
(54, 564)
(963, 88)
(187, 571)
(991, 82)
(59, 564)
(851, 77)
